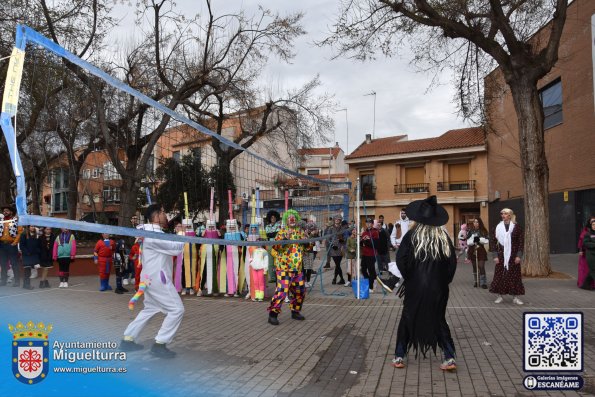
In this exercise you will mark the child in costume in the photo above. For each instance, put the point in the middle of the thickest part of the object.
(47, 247)
(288, 265)
(133, 257)
(64, 253)
(120, 266)
(30, 249)
(103, 257)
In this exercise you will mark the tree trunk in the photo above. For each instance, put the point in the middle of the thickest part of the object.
(73, 194)
(535, 177)
(129, 191)
(6, 176)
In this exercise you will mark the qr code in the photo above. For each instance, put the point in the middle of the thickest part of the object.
(553, 341)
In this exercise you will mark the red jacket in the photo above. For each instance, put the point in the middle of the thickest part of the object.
(104, 252)
(370, 245)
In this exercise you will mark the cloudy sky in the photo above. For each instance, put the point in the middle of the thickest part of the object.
(403, 103)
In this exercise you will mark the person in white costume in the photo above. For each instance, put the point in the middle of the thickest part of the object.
(400, 231)
(160, 295)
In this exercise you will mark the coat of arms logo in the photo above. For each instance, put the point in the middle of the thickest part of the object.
(30, 351)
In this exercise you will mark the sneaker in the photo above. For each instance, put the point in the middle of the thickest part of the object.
(33, 273)
(398, 362)
(517, 301)
(120, 290)
(347, 284)
(449, 365)
(190, 291)
(199, 293)
(65, 284)
(499, 299)
(287, 299)
(61, 284)
(183, 291)
(307, 285)
(161, 351)
(125, 281)
(371, 291)
(130, 346)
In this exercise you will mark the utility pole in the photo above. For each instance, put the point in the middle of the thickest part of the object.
(374, 124)
(347, 127)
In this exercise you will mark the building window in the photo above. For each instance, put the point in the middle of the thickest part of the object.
(176, 156)
(59, 190)
(368, 182)
(95, 173)
(110, 171)
(313, 172)
(551, 100)
(111, 194)
(86, 173)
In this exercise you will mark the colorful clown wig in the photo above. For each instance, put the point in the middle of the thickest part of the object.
(288, 213)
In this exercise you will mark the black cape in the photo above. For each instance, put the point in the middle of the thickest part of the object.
(425, 288)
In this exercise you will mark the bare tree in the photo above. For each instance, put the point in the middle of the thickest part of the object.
(472, 36)
(80, 25)
(201, 64)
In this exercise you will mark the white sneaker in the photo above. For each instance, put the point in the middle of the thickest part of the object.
(183, 291)
(191, 291)
(62, 284)
(33, 273)
(517, 301)
(499, 299)
(125, 281)
(371, 291)
(286, 299)
(347, 283)
(65, 284)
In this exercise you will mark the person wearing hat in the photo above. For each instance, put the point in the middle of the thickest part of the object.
(369, 242)
(10, 234)
(427, 260)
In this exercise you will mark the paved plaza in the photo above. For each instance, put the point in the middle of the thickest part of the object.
(344, 348)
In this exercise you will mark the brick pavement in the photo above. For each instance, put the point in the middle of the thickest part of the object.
(344, 348)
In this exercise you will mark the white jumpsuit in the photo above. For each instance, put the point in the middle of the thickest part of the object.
(161, 294)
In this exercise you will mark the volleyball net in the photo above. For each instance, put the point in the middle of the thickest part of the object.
(92, 146)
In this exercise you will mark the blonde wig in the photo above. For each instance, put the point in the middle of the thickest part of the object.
(511, 213)
(430, 242)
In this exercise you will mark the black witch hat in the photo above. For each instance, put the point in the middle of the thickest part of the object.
(427, 212)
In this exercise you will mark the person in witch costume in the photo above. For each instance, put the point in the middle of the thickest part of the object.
(427, 260)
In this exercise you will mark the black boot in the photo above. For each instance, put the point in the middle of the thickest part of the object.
(27, 284)
(297, 316)
(161, 351)
(273, 320)
(41, 283)
(119, 289)
(47, 284)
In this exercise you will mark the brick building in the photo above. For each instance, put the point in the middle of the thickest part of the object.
(394, 171)
(568, 105)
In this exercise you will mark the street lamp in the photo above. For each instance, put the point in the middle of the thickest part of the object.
(347, 126)
(374, 125)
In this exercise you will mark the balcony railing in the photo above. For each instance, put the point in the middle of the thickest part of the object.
(412, 188)
(368, 192)
(455, 185)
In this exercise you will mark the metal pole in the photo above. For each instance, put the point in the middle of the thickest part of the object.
(374, 119)
(357, 225)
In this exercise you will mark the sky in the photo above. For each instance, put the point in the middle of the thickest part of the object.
(404, 102)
